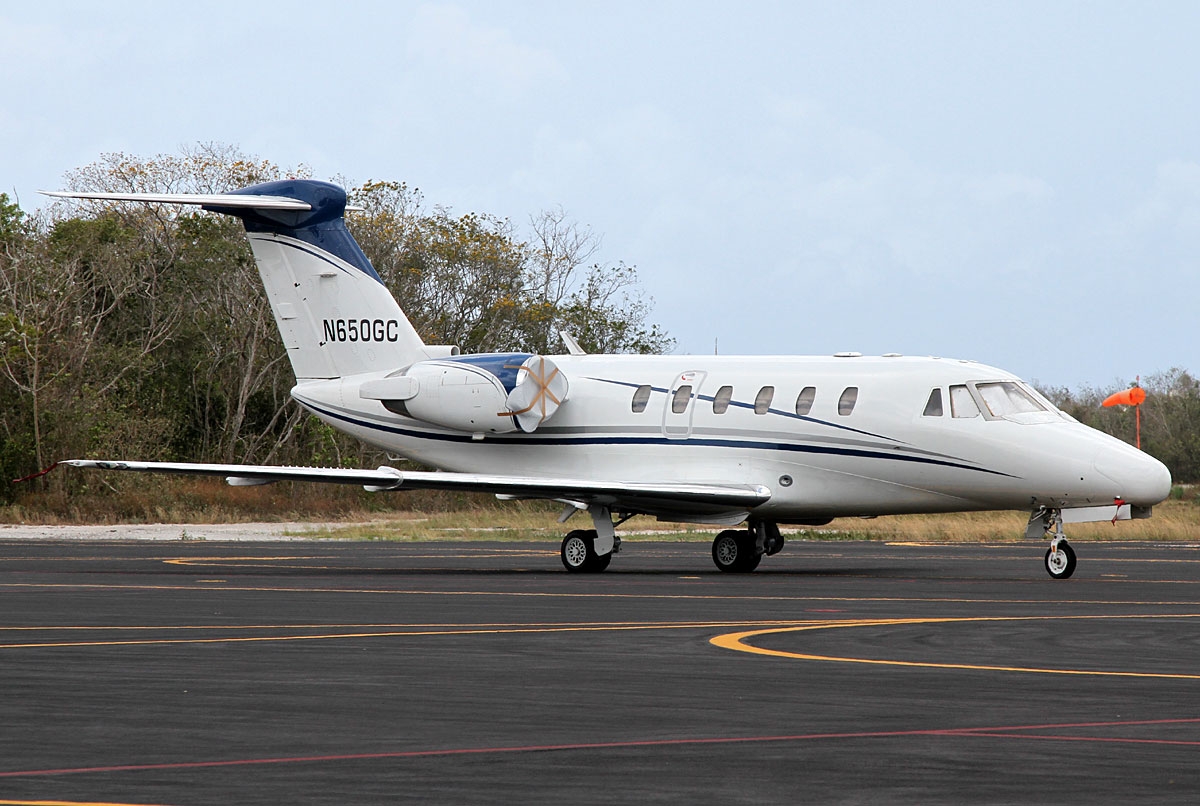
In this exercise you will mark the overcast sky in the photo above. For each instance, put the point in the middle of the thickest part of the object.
(1017, 183)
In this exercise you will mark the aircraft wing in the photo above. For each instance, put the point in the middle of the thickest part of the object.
(645, 497)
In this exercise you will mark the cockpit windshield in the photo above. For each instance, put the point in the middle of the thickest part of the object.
(1006, 397)
(993, 400)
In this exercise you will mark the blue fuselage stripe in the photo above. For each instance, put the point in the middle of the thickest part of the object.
(532, 440)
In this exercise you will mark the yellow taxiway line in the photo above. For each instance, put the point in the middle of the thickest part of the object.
(738, 642)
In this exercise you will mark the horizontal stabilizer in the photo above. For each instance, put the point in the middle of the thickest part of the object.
(649, 497)
(207, 199)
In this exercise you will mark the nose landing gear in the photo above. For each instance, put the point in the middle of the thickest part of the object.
(1060, 557)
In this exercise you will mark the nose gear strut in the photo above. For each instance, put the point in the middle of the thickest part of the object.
(1060, 557)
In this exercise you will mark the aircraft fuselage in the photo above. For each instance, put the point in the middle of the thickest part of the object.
(882, 454)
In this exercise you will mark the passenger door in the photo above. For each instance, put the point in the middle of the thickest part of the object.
(681, 404)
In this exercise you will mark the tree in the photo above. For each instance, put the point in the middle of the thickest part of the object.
(228, 346)
(12, 222)
(142, 330)
(82, 316)
(470, 280)
(607, 314)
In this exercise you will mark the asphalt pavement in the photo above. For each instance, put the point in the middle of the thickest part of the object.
(204, 672)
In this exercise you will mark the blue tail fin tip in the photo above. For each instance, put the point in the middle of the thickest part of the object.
(323, 226)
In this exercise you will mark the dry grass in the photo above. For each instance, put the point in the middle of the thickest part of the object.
(1173, 521)
(425, 515)
(500, 523)
(137, 498)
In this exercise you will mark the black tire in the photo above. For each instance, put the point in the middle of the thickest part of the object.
(1061, 567)
(752, 560)
(578, 553)
(733, 551)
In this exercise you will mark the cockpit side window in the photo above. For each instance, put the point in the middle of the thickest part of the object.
(933, 407)
(1005, 397)
(962, 405)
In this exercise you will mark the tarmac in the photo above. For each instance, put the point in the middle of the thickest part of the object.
(201, 671)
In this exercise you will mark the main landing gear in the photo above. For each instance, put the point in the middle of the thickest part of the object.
(589, 551)
(1060, 557)
(579, 553)
(739, 551)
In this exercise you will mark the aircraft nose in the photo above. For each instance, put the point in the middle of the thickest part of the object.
(1142, 479)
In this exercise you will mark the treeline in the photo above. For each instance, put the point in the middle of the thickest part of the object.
(142, 331)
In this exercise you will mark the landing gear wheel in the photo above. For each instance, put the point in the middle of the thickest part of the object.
(579, 555)
(600, 562)
(725, 550)
(1060, 561)
(733, 551)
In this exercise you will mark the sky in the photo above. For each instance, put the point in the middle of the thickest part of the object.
(1016, 183)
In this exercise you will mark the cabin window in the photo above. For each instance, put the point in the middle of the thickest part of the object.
(683, 396)
(933, 408)
(1006, 397)
(962, 405)
(805, 400)
(847, 400)
(641, 397)
(762, 403)
(721, 399)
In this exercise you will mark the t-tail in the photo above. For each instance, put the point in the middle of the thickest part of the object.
(335, 315)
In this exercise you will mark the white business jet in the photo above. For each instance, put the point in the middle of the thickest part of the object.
(721, 440)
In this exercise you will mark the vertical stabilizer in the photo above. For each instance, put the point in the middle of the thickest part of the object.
(334, 313)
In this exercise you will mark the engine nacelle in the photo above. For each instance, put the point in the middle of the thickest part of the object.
(495, 394)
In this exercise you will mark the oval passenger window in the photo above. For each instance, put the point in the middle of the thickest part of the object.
(847, 400)
(641, 397)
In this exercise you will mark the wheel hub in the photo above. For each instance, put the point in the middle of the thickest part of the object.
(1058, 561)
(727, 551)
(576, 552)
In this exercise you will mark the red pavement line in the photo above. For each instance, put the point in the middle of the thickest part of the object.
(990, 732)
(1100, 739)
(1124, 723)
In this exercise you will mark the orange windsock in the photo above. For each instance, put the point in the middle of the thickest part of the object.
(1134, 396)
